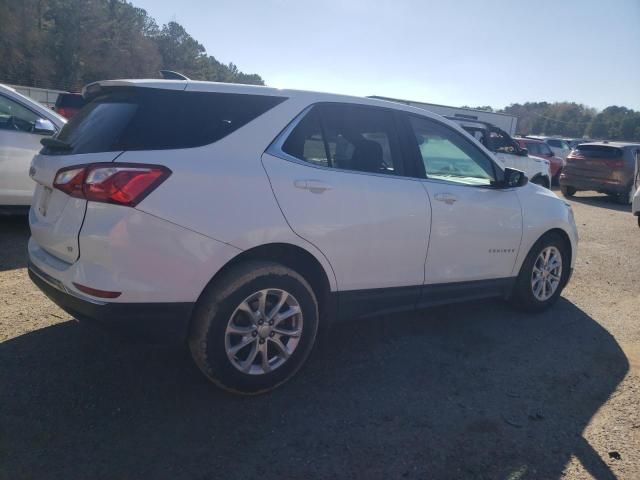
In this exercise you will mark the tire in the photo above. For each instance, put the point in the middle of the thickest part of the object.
(543, 182)
(567, 191)
(217, 317)
(623, 198)
(524, 292)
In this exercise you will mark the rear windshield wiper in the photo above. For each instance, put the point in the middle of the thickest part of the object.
(56, 144)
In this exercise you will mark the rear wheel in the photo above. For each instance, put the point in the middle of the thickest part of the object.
(543, 274)
(567, 191)
(254, 328)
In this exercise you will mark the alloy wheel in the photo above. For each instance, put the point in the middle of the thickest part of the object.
(263, 331)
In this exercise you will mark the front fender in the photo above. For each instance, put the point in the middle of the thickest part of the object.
(543, 211)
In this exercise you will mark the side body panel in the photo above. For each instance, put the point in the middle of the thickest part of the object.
(474, 237)
(542, 211)
(374, 229)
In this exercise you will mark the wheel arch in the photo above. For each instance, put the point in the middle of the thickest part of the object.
(291, 256)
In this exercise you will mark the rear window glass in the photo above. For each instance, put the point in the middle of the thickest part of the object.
(155, 119)
(70, 100)
(598, 151)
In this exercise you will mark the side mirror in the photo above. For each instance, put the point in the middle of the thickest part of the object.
(523, 152)
(514, 178)
(44, 127)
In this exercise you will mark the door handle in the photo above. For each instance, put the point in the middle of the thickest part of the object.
(447, 198)
(314, 186)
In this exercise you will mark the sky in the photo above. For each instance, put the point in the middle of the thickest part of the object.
(461, 52)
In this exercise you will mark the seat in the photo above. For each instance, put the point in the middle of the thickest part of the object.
(367, 157)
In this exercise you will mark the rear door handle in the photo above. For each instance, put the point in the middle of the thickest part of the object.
(447, 198)
(314, 186)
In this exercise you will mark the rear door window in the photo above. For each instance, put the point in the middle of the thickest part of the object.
(347, 137)
(158, 119)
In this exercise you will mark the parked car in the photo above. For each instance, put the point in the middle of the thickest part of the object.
(507, 151)
(68, 104)
(540, 149)
(574, 142)
(23, 122)
(605, 167)
(559, 147)
(258, 213)
(635, 204)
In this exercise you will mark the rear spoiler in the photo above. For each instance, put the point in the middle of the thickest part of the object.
(171, 80)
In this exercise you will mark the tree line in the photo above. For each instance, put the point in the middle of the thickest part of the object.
(573, 120)
(65, 44)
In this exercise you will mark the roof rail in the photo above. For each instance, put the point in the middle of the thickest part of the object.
(171, 75)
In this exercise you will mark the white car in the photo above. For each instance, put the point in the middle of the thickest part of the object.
(23, 122)
(238, 218)
(507, 151)
(558, 146)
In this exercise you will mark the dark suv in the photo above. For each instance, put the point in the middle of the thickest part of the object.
(68, 104)
(605, 167)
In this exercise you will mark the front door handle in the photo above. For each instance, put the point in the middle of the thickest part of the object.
(314, 186)
(447, 198)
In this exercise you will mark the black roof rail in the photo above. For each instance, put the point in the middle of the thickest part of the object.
(171, 75)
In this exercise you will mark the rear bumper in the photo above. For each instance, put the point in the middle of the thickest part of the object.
(165, 323)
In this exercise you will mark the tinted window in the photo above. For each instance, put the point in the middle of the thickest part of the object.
(306, 141)
(72, 100)
(14, 116)
(598, 151)
(533, 148)
(447, 155)
(557, 143)
(154, 119)
(544, 149)
(347, 137)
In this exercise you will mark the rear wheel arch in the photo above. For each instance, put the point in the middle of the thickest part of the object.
(292, 256)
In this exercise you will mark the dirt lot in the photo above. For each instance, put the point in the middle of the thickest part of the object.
(470, 391)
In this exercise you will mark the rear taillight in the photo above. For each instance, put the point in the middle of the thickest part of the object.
(123, 184)
(67, 112)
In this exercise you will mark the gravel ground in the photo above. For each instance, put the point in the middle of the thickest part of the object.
(468, 391)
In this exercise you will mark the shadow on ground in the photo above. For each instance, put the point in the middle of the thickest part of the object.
(599, 200)
(470, 391)
(14, 234)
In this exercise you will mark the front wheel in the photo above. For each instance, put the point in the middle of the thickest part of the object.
(624, 198)
(543, 274)
(567, 191)
(254, 328)
(542, 181)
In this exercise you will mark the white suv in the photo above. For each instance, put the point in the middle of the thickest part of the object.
(239, 218)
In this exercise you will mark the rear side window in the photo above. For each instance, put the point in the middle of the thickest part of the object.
(598, 151)
(347, 137)
(158, 119)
